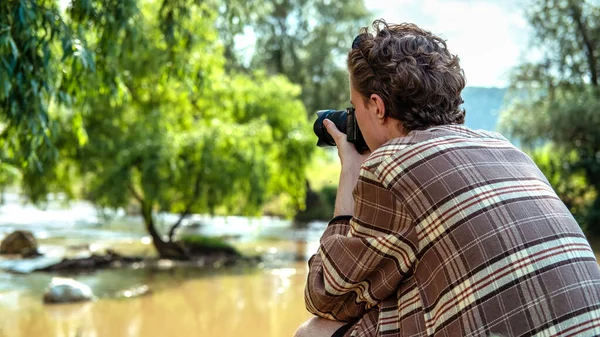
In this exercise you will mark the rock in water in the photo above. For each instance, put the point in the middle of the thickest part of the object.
(19, 242)
(65, 290)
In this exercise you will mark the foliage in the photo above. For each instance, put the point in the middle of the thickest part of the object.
(185, 137)
(121, 100)
(8, 174)
(142, 108)
(29, 39)
(569, 183)
(320, 205)
(558, 95)
(306, 41)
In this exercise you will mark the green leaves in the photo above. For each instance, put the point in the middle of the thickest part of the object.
(161, 121)
(26, 80)
(557, 102)
(128, 101)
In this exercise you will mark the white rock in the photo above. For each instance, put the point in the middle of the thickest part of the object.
(65, 290)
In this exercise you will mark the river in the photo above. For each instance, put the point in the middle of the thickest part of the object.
(265, 301)
(184, 301)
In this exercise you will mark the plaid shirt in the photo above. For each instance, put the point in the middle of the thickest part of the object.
(455, 233)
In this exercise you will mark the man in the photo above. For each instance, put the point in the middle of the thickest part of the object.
(441, 230)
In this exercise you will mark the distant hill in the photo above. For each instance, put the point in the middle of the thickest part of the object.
(483, 106)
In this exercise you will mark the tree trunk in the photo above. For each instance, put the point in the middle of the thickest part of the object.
(588, 44)
(165, 249)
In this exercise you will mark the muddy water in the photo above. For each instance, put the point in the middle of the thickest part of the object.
(184, 301)
(249, 303)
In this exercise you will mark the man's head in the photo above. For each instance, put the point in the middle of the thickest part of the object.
(409, 73)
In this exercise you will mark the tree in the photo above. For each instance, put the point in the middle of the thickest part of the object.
(569, 184)
(34, 40)
(159, 120)
(307, 41)
(557, 97)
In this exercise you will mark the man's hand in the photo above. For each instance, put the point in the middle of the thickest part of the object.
(349, 157)
(351, 162)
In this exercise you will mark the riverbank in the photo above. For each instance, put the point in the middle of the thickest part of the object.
(263, 300)
(250, 303)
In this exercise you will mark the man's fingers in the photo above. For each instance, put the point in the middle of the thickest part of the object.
(333, 130)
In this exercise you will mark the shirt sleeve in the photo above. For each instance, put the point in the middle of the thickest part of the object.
(361, 261)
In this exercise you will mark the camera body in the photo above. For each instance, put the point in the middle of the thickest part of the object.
(345, 121)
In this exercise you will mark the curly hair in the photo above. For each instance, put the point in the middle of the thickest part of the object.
(419, 80)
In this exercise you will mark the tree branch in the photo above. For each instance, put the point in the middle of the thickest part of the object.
(135, 194)
(194, 101)
(183, 215)
(589, 46)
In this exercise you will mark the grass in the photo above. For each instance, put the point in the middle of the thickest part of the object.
(205, 242)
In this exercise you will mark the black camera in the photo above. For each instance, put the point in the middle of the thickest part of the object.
(345, 121)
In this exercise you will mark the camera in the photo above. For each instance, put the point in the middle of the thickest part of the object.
(345, 121)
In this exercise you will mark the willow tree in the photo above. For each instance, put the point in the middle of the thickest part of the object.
(558, 94)
(144, 110)
(38, 49)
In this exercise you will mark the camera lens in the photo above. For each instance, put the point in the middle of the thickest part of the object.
(338, 117)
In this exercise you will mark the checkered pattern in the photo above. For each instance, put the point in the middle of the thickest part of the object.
(455, 233)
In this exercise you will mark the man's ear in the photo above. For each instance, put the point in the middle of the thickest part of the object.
(377, 103)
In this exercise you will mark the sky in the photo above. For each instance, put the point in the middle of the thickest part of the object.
(490, 37)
